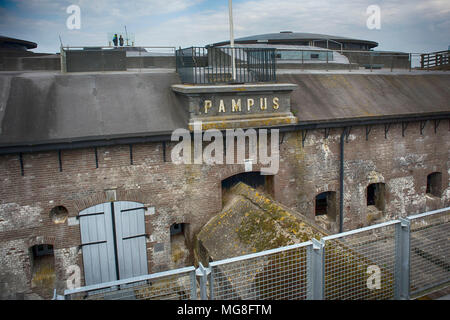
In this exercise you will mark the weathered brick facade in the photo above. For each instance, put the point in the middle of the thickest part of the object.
(192, 193)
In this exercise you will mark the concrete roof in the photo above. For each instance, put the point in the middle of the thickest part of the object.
(14, 41)
(292, 36)
(323, 97)
(43, 107)
(39, 108)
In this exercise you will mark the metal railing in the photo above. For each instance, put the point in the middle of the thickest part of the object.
(399, 259)
(179, 284)
(435, 60)
(197, 65)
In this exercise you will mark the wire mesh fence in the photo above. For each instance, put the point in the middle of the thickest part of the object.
(272, 275)
(178, 284)
(350, 261)
(394, 260)
(430, 251)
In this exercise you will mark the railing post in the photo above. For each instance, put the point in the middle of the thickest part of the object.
(402, 261)
(315, 270)
(193, 285)
(203, 272)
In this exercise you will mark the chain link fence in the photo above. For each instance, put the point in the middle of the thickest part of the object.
(399, 259)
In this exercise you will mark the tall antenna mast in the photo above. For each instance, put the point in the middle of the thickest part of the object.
(126, 35)
(230, 12)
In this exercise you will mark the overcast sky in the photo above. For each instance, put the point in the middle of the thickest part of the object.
(406, 25)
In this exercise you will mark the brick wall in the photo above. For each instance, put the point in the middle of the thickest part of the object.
(192, 193)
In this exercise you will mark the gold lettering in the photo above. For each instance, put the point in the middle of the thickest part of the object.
(221, 106)
(263, 103)
(208, 105)
(276, 104)
(236, 106)
(250, 103)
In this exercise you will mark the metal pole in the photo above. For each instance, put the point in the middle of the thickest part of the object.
(341, 183)
(402, 261)
(315, 270)
(230, 11)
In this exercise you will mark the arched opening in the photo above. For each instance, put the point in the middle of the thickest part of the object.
(376, 195)
(254, 179)
(325, 210)
(325, 204)
(59, 214)
(434, 184)
(42, 270)
(180, 252)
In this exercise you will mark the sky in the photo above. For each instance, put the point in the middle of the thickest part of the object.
(405, 25)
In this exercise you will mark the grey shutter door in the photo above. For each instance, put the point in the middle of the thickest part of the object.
(98, 244)
(131, 239)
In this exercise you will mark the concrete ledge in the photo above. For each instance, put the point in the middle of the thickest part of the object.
(260, 87)
(268, 120)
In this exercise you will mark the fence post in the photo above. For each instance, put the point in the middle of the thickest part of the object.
(402, 261)
(194, 285)
(203, 272)
(315, 270)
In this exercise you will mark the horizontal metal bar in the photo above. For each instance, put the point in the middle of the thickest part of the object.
(260, 254)
(351, 232)
(425, 214)
(130, 280)
(420, 292)
(91, 243)
(137, 236)
(88, 215)
(134, 209)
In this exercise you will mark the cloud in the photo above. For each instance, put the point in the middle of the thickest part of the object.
(405, 25)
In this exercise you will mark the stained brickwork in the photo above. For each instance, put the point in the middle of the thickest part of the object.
(192, 193)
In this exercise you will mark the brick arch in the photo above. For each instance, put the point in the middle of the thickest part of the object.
(102, 197)
(237, 169)
(37, 240)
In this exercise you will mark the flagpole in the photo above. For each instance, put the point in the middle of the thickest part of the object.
(230, 11)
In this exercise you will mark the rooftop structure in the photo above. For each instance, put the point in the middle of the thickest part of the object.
(306, 39)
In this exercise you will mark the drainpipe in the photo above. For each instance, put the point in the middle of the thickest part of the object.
(341, 183)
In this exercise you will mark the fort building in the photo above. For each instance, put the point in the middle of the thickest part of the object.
(88, 184)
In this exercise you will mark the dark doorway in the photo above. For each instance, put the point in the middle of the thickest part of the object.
(376, 195)
(326, 204)
(434, 184)
(254, 179)
(43, 270)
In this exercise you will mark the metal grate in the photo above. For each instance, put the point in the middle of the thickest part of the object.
(177, 284)
(430, 251)
(352, 258)
(198, 65)
(274, 275)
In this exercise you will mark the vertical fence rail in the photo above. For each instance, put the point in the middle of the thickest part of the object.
(397, 259)
(197, 65)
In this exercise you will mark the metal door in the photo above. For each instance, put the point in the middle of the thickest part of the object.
(113, 241)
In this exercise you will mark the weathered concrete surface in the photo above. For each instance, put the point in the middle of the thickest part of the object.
(252, 222)
(49, 107)
(52, 107)
(321, 97)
